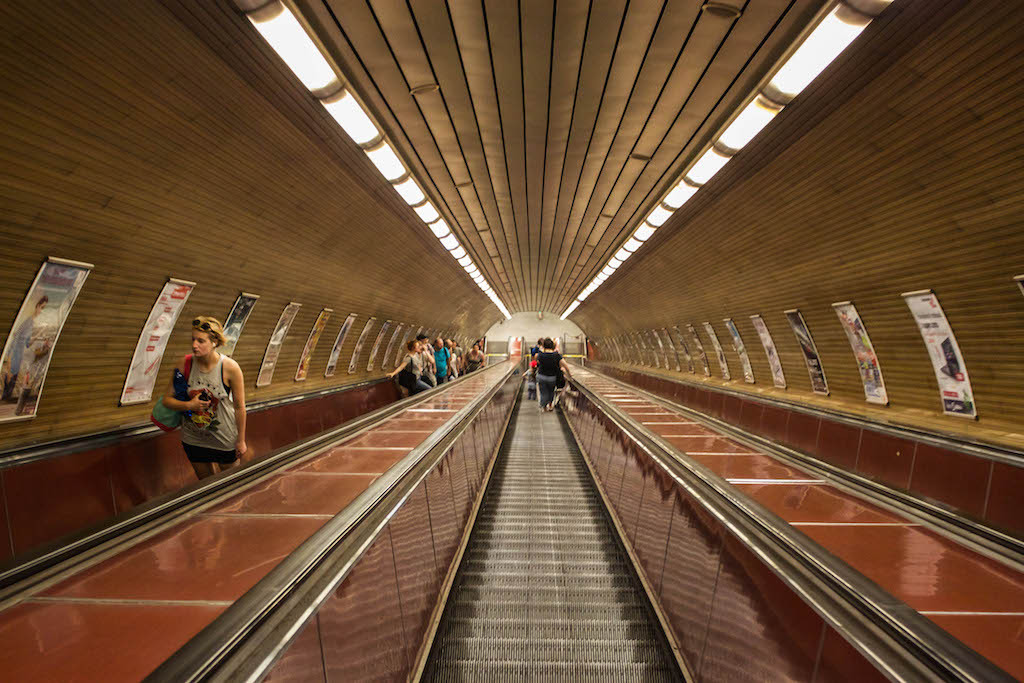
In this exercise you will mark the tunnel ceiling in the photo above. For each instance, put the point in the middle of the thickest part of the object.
(554, 127)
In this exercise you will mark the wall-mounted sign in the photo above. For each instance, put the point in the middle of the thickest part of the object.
(722, 362)
(778, 377)
(668, 342)
(34, 334)
(391, 345)
(702, 357)
(863, 351)
(659, 346)
(359, 345)
(273, 351)
(947, 361)
(803, 337)
(405, 340)
(684, 347)
(375, 349)
(149, 351)
(645, 356)
(332, 360)
(235, 321)
(312, 340)
(741, 350)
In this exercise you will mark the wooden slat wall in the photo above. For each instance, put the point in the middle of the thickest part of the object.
(914, 181)
(129, 144)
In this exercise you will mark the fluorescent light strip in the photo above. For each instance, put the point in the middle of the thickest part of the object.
(289, 39)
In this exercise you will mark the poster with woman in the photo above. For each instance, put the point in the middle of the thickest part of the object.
(311, 341)
(236, 321)
(149, 351)
(273, 351)
(339, 341)
(741, 350)
(705, 366)
(778, 377)
(681, 341)
(863, 351)
(34, 334)
(375, 349)
(803, 337)
(359, 345)
(947, 360)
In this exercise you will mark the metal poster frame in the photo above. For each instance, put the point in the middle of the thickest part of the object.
(815, 368)
(391, 345)
(741, 350)
(868, 366)
(152, 344)
(276, 341)
(1020, 282)
(40, 350)
(681, 340)
(768, 344)
(375, 349)
(354, 361)
(339, 341)
(948, 362)
(302, 371)
(671, 345)
(723, 362)
(701, 353)
(235, 322)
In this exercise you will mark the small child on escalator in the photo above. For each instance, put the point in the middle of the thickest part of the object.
(531, 382)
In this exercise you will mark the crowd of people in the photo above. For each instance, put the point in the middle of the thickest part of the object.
(429, 363)
(548, 372)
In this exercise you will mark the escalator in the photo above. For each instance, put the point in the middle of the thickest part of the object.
(544, 590)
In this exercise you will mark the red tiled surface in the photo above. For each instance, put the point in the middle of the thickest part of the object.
(87, 642)
(886, 458)
(668, 429)
(383, 436)
(956, 479)
(298, 493)
(355, 460)
(815, 503)
(774, 421)
(6, 551)
(838, 444)
(1004, 498)
(628, 502)
(802, 431)
(208, 558)
(443, 525)
(999, 638)
(750, 415)
(708, 444)
(747, 466)
(303, 660)
(840, 662)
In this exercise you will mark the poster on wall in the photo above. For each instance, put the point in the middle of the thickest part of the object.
(332, 361)
(149, 351)
(1020, 282)
(778, 377)
(681, 341)
(702, 357)
(391, 345)
(376, 344)
(34, 334)
(400, 353)
(947, 361)
(661, 348)
(803, 337)
(722, 363)
(359, 345)
(668, 340)
(863, 351)
(741, 350)
(648, 345)
(312, 340)
(235, 321)
(273, 351)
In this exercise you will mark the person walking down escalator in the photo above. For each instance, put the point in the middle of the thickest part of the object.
(474, 359)
(550, 365)
(442, 361)
(427, 360)
(410, 371)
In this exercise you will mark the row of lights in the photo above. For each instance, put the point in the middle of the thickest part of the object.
(289, 39)
(828, 39)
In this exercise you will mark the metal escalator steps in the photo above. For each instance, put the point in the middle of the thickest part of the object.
(544, 591)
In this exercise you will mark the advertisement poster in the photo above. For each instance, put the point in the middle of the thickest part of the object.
(684, 347)
(376, 345)
(722, 363)
(778, 377)
(803, 336)
(661, 348)
(863, 351)
(145, 365)
(1020, 282)
(311, 341)
(668, 341)
(702, 357)
(645, 339)
(637, 353)
(391, 345)
(236, 321)
(947, 361)
(400, 353)
(35, 332)
(741, 350)
(641, 347)
(618, 349)
(266, 375)
(332, 361)
(359, 345)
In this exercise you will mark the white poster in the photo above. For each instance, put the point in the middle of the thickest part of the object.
(722, 363)
(645, 357)
(376, 344)
(236, 321)
(1020, 282)
(400, 354)
(867, 361)
(332, 361)
(145, 365)
(34, 334)
(391, 345)
(681, 341)
(947, 361)
(815, 370)
(778, 377)
(359, 345)
(671, 346)
(312, 340)
(705, 366)
(273, 351)
(741, 350)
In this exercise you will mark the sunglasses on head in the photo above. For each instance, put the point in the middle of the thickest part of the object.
(200, 325)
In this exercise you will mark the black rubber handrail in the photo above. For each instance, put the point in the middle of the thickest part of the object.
(894, 637)
(248, 637)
